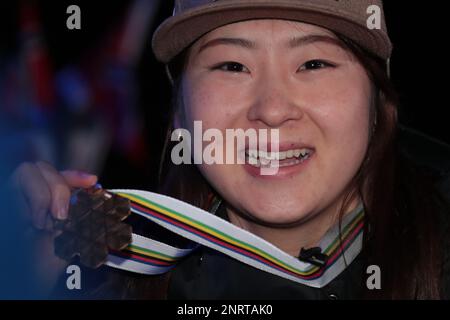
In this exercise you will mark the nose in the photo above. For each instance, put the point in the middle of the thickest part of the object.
(274, 104)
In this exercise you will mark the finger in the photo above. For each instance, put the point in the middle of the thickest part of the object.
(79, 179)
(59, 189)
(20, 202)
(49, 223)
(36, 192)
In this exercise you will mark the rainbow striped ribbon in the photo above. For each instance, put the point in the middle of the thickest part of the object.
(147, 256)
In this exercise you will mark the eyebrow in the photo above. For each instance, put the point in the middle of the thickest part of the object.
(239, 42)
(302, 41)
(292, 43)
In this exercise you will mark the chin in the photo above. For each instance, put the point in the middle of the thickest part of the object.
(278, 214)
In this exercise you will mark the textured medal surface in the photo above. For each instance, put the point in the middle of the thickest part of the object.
(94, 226)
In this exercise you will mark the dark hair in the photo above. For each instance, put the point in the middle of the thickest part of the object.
(401, 201)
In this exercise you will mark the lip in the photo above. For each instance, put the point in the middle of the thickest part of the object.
(283, 172)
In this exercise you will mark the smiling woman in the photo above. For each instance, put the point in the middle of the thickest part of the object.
(325, 89)
(345, 197)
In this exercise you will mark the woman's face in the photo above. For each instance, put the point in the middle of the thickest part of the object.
(290, 76)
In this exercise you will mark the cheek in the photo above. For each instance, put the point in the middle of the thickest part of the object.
(346, 114)
(204, 102)
(344, 107)
(342, 114)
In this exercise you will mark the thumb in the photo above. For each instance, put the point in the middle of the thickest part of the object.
(79, 179)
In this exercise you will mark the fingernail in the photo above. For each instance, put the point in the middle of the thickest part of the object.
(62, 210)
(79, 173)
(84, 174)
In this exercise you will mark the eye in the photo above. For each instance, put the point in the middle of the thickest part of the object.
(231, 67)
(315, 65)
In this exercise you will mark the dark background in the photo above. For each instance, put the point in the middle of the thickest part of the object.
(419, 70)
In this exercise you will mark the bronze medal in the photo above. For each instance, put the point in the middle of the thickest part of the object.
(94, 226)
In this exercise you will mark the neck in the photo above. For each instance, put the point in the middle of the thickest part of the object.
(305, 234)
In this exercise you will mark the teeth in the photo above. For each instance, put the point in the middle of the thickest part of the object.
(263, 158)
(253, 153)
(264, 161)
(272, 155)
(278, 155)
(253, 160)
(290, 153)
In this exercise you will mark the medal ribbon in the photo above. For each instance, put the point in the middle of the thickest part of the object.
(147, 256)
